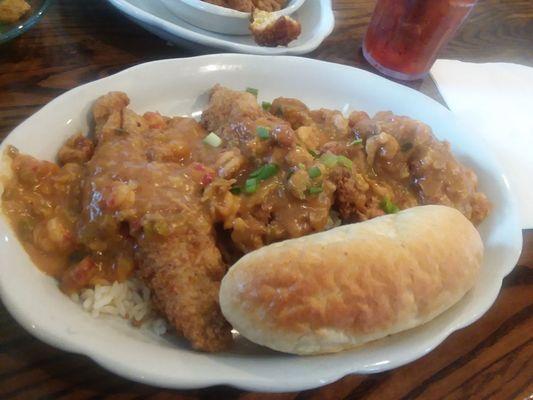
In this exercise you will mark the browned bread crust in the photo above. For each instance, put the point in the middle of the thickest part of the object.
(338, 289)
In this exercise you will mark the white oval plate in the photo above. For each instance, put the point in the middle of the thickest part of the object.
(316, 17)
(178, 87)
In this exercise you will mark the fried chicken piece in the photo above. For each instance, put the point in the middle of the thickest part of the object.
(272, 31)
(404, 154)
(355, 198)
(263, 217)
(130, 182)
(269, 5)
(293, 111)
(78, 149)
(406, 150)
(249, 5)
(235, 116)
(107, 113)
(239, 5)
(13, 10)
(227, 106)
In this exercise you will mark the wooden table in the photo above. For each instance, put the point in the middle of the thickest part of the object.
(79, 41)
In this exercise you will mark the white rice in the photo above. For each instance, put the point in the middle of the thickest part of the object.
(129, 300)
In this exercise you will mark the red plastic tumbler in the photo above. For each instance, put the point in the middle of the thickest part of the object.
(404, 36)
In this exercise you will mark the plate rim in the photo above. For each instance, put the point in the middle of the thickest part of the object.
(67, 343)
(327, 24)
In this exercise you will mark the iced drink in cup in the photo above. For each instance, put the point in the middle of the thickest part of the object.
(404, 36)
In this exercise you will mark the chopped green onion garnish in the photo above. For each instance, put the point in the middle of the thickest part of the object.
(266, 105)
(313, 153)
(235, 190)
(356, 141)
(329, 160)
(315, 190)
(301, 165)
(314, 172)
(263, 132)
(250, 186)
(253, 91)
(407, 146)
(265, 172)
(344, 161)
(388, 206)
(212, 140)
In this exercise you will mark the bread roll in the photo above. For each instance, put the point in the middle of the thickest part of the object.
(337, 289)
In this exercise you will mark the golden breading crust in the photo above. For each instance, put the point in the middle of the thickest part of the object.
(185, 271)
(126, 179)
(271, 31)
(338, 289)
(248, 5)
(13, 10)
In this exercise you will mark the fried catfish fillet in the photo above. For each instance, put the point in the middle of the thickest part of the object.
(131, 186)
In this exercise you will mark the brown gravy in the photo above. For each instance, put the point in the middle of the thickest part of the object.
(140, 177)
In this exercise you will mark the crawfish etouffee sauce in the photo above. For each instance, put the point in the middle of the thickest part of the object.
(177, 201)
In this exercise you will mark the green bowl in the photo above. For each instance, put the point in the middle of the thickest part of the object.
(11, 31)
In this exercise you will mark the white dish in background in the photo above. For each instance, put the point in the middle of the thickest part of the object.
(316, 17)
(220, 19)
(179, 87)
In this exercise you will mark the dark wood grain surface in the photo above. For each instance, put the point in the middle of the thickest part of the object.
(79, 41)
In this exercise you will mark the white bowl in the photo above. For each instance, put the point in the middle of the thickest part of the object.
(179, 87)
(219, 19)
(315, 16)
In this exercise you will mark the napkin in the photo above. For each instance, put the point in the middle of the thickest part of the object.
(496, 99)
